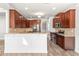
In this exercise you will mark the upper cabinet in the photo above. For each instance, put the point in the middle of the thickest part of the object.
(12, 18)
(17, 20)
(58, 21)
(65, 19)
(70, 18)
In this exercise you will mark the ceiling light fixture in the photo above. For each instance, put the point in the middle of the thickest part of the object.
(39, 16)
(54, 8)
(39, 13)
(26, 8)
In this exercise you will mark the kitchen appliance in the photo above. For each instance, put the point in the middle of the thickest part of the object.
(58, 25)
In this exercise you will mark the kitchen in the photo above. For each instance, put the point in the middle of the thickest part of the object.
(26, 32)
(64, 24)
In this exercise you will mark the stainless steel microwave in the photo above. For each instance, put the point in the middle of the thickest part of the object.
(57, 25)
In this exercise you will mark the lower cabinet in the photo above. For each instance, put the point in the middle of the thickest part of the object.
(67, 43)
(60, 41)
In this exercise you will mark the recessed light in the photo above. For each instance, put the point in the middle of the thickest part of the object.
(39, 13)
(26, 8)
(54, 8)
(39, 16)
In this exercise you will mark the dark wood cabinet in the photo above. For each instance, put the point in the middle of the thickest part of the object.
(55, 20)
(62, 22)
(60, 41)
(18, 24)
(17, 20)
(70, 18)
(59, 18)
(66, 19)
(12, 18)
(53, 23)
(67, 43)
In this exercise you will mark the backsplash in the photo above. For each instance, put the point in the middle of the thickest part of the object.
(67, 31)
(21, 30)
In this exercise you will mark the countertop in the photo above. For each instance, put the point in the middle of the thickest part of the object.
(30, 33)
(65, 35)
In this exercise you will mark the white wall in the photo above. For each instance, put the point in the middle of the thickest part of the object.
(2, 24)
(4, 20)
(77, 29)
(47, 25)
(50, 25)
(44, 25)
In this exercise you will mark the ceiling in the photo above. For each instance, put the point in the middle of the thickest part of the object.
(46, 8)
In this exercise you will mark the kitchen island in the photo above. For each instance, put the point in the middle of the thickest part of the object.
(25, 43)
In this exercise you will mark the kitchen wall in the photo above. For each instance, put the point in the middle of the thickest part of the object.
(50, 25)
(2, 24)
(67, 31)
(43, 25)
(4, 19)
(21, 30)
(77, 29)
(46, 25)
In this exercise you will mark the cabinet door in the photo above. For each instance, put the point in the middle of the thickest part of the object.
(55, 20)
(18, 24)
(70, 19)
(12, 18)
(62, 20)
(60, 41)
(67, 19)
(53, 23)
(70, 43)
(22, 24)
